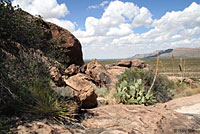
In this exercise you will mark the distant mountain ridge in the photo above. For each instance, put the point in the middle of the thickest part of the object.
(178, 52)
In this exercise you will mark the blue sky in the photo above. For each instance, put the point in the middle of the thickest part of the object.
(123, 28)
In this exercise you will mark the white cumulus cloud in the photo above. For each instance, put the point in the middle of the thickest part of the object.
(113, 34)
(144, 18)
(178, 20)
(50, 10)
(45, 8)
(117, 21)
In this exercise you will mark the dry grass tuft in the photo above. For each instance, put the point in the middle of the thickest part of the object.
(183, 89)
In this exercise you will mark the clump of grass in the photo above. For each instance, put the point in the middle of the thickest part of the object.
(48, 104)
(107, 94)
(184, 89)
(39, 100)
(4, 128)
(101, 92)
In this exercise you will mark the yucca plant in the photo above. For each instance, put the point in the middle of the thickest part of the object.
(45, 103)
(181, 68)
(173, 62)
(156, 73)
(4, 127)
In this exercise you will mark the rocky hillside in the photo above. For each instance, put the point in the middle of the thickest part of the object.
(29, 48)
(178, 52)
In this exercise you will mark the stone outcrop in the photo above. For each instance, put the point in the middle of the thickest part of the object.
(56, 76)
(85, 88)
(174, 117)
(86, 78)
(98, 73)
(132, 63)
(50, 52)
(60, 52)
(189, 105)
(124, 63)
(67, 41)
(72, 70)
(134, 119)
(42, 128)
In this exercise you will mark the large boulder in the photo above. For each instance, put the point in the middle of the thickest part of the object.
(115, 71)
(98, 73)
(137, 63)
(124, 63)
(130, 63)
(140, 64)
(68, 42)
(85, 88)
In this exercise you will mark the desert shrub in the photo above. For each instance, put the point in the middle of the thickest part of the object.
(135, 93)
(137, 82)
(18, 26)
(30, 31)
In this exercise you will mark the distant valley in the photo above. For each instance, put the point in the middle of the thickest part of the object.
(178, 52)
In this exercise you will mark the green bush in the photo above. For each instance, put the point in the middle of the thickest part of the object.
(134, 84)
(134, 93)
(19, 26)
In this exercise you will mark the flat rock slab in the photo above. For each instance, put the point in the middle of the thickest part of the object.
(191, 103)
(132, 119)
(192, 109)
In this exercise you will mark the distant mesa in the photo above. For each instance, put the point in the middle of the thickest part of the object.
(178, 52)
